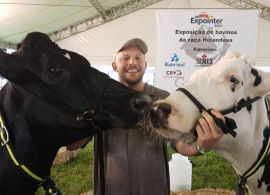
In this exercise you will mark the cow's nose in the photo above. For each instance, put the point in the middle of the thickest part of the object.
(162, 110)
(141, 103)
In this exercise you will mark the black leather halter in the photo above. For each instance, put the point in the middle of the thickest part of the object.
(230, 124)
(87, 115)
(236, 108)
(193, 99)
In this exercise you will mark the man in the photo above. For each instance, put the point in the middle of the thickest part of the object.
(134, 161)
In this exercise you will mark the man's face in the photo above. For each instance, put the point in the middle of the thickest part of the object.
(130, 65)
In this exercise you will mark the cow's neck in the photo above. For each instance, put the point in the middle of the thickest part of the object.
(35, 152)
(243, 150)
(36, 131)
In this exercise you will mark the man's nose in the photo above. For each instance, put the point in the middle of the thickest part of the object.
(133, 60)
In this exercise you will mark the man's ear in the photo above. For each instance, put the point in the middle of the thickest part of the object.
(114, 66)
(145, 65)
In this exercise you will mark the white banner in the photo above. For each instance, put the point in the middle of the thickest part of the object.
(191, 39)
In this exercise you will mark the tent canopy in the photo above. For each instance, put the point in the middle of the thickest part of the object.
(95, 28)
(18, 17)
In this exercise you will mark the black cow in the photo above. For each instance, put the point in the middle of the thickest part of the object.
(52, 99)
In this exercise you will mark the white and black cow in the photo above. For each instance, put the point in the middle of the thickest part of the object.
(231, 85)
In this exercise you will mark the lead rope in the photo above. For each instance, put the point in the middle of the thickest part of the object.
(256, 165)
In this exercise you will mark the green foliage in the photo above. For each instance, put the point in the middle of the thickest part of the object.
(211, 171)
(75, 177)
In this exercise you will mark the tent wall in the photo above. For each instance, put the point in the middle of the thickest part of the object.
(99, 44)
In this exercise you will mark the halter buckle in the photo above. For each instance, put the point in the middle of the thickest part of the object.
(4, 135)
(88, 115)
(241, 187)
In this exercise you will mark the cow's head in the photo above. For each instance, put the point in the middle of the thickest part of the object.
(220, 87)
(67, 82)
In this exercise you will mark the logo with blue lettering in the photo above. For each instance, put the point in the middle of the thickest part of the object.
(174, 58)
(174, 61)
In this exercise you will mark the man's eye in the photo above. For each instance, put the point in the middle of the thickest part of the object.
(125, 58)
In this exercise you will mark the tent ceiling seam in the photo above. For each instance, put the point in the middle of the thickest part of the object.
(99, 8)
(111, 14)
(249, 4)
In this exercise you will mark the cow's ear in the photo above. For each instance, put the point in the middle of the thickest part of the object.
(11, 67)
(77, 58)
(261, 81)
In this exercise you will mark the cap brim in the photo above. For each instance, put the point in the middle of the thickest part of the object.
(135, 42)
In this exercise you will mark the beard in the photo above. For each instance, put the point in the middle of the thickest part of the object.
(132, 82)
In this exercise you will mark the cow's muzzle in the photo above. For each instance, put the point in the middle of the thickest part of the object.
(159, 115)
(141, 103)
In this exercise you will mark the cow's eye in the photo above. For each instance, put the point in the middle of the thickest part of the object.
(233, 80)
(55, 70)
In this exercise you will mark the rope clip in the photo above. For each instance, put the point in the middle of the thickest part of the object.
(4, 135)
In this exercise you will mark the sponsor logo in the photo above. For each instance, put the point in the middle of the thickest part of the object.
(205, 18)
(174, 58)
(174, 61)
(174, 72)
(204, 60)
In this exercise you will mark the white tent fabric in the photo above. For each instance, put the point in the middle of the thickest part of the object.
(99, 44)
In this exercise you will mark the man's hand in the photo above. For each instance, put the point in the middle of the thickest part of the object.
(208, 132)
(208, 135)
